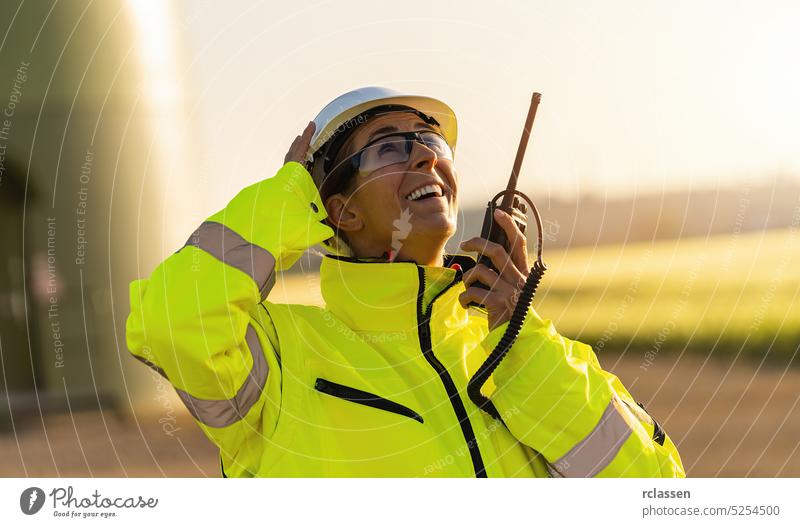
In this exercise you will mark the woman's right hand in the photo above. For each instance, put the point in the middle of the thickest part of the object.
(299, 149)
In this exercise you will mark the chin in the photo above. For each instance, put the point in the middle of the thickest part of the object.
(439, 228)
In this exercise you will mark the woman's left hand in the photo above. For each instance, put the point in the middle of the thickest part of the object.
(505, 287)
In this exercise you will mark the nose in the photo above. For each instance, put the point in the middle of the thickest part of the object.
(421, 157)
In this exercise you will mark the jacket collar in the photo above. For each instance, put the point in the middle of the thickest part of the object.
(383, 296)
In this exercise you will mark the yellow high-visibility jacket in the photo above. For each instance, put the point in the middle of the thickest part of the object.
(373, 384)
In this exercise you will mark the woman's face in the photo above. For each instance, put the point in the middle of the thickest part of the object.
(379, 213)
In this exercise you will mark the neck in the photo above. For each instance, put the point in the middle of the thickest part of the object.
(430, 255)
(426, 253)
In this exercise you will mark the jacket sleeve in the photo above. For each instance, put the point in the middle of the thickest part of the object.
(192, 319)
(555, 398)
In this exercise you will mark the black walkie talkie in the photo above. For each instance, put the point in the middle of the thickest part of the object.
(511, 203)
(492, 231)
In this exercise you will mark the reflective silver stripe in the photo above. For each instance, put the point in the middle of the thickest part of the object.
(227, 246)
(596, 450)
(221, 413)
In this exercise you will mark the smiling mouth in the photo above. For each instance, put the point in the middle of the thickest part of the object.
(426, 192)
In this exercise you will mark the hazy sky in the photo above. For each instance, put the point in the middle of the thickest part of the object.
(637, 96)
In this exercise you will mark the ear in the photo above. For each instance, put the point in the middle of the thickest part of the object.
(343, 213)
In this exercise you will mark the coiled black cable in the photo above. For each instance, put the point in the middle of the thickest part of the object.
(514, 324)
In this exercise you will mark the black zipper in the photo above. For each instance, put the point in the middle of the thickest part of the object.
(424, 328)
(365, 398)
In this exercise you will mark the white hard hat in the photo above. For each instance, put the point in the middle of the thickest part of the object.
(335, 117)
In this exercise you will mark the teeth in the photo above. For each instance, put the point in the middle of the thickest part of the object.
(427, 189)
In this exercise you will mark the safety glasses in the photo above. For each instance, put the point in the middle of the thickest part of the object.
(396, 148)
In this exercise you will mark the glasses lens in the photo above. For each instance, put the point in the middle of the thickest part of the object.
(437, 143)
(384, 152)
(394, 149)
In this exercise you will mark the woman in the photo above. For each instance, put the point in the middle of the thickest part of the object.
(374, 383)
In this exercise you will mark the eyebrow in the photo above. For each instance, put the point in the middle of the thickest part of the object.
(387, 129)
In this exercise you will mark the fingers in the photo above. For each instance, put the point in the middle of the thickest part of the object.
(308, 133)
(505, 284)
(474, 294)
(290, 155)
(497, 255)
(299, 148)
(496, 304)
(305, 141)
(481, 273)
(517, 242)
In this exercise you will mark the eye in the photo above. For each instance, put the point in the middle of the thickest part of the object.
(387, 147)
(438, 144)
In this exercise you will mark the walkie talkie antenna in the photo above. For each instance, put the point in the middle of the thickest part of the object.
(509, 199)
(523, 144)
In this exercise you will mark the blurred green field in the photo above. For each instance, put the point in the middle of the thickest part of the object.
(731, 294)
(727, 294)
